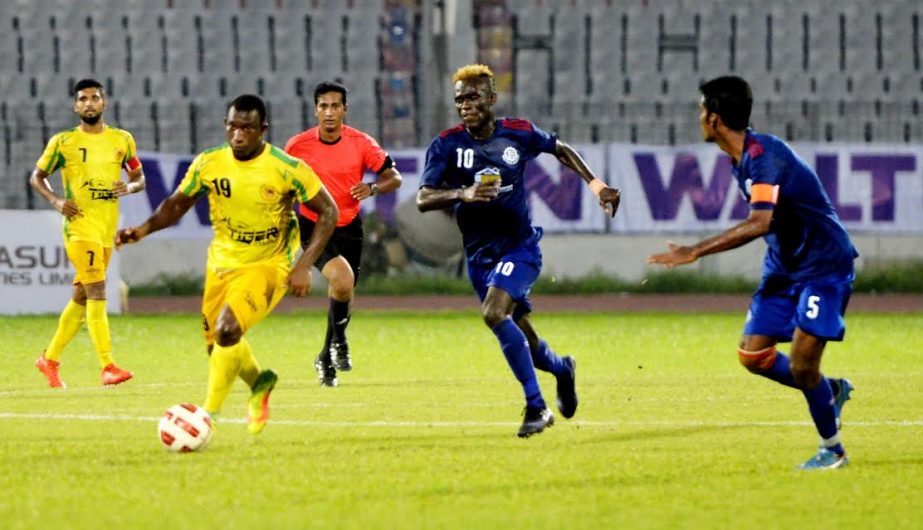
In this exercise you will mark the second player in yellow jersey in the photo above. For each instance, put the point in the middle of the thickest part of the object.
(91, 158)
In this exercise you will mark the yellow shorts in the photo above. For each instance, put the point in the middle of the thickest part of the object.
(90, 261)
(251, 292)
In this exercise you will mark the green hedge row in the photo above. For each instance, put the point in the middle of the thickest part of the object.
(902, 278)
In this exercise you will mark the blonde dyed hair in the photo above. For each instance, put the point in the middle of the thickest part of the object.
(473, 72)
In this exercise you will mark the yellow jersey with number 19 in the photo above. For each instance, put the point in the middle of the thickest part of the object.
(250, 203)
(90, 164)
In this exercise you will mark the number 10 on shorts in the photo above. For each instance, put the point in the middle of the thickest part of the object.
(505, 268)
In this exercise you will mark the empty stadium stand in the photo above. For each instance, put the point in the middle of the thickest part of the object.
(593, 70)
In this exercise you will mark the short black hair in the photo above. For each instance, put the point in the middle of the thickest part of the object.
(730, 98)
(84, 84)
(329, 86)
(248, 102)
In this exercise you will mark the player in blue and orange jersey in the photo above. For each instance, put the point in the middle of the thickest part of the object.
(808, 270)
(251, 188)
(91, 157)
(477, 168)
(340, 155)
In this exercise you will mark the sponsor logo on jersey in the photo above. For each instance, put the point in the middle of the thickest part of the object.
(101, 194)
(491, 174)
(254, 237)
(488, 175)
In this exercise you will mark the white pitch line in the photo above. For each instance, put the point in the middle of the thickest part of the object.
(582, 423)
(87, 389)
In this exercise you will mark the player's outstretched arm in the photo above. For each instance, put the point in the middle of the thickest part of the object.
(39, 182)
(754, 226)
(299, 280)
(167, 214)
(609, 198)
(436, 198)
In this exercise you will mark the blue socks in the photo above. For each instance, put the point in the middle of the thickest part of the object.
(780, 371)
(820, 401)
(516, 350)
(546, 360)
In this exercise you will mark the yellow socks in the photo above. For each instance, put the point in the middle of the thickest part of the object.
(98, 326)
(69, 324)
(223, 367)
(249, 368)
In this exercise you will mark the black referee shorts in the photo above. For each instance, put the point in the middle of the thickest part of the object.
(346, 241)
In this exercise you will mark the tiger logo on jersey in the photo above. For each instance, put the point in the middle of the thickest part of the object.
(119, 155)
(99, 190)
(242, 234)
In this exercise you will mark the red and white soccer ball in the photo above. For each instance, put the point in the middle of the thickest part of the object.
(184, 428)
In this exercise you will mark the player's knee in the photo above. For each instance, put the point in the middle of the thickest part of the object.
(227, 335)
(341, 288)
(493, 316)
(340, 278)
(80, 295)
(757, 361)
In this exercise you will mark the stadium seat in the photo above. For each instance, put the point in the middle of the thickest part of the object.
(146, 47)
(174, 123)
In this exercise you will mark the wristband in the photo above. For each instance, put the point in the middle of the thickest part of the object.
(373, 189)
(133, 187)
(596, 186)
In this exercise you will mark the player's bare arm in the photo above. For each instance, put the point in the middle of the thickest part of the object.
(167, 214)
(39, 182)
(754, 226)
(388, 181)
(609, 198)
(299, 280)
(136, 183)
(436, 199)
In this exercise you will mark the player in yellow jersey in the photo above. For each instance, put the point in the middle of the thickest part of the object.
(91, 157)
(251, 188)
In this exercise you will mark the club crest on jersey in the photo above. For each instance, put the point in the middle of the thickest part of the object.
(511, 155)
(269, 194)
(119, 155)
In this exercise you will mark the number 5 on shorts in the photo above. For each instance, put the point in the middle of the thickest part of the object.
(813, 308)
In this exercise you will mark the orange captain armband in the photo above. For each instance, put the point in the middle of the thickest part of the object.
(760, 360)
(132, 164)
(764, 193)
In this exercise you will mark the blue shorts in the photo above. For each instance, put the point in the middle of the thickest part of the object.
(815, 306)
(515, 272)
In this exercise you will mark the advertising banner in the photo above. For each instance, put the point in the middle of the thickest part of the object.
(874, 189)
(35, 274)
(685, 189)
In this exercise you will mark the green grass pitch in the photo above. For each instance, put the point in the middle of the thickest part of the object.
(671, 432)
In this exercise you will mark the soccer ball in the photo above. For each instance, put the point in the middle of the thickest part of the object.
(184, 428)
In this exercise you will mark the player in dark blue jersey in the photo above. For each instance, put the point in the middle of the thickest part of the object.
(808, 269)
(477, 168)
